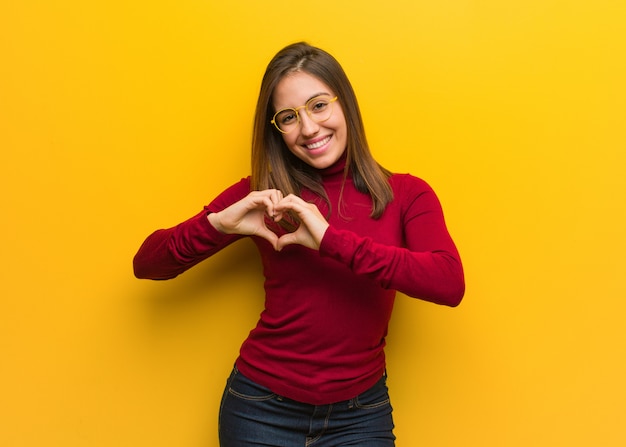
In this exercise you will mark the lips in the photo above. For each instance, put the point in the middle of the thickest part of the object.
(317, 144)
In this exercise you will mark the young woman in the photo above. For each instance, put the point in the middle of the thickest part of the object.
(338, 235)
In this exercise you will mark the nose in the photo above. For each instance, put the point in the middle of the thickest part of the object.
(309, 127)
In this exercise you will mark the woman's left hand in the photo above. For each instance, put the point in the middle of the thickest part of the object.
(312, 227)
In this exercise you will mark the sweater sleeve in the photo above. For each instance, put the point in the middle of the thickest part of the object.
(427, 267)
(167, 253)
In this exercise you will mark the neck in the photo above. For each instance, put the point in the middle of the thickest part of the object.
(336, 170)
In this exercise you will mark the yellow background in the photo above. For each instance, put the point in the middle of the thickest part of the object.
(118, 117)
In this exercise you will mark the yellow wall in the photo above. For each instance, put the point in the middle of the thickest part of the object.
(118, 117)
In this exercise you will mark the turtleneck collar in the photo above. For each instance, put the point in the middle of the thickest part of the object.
(335, 171)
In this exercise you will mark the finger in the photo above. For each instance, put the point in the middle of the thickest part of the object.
(302, 209)
(289, 203)
(266, 200)
(269, 206)
(276, 197)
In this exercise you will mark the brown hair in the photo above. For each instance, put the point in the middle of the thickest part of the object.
(274, 166)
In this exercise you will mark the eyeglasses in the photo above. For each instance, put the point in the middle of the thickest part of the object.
(319, 109)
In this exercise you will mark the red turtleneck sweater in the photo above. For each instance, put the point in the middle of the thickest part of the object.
(322, 334)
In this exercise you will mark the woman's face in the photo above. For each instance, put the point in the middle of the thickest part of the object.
(321, 144)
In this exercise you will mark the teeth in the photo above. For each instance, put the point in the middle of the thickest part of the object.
(318, 144)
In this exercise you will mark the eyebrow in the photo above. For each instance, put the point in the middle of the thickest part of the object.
(316, 95)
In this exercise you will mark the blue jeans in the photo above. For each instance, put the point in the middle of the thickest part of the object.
(251, 415)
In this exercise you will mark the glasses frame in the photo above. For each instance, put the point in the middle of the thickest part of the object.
(305, 106)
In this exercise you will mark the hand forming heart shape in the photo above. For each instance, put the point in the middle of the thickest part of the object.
(247, 217)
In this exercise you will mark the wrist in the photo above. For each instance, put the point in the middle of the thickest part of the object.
(214, 220)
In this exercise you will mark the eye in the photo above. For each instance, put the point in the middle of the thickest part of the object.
(286, 117)
(318, 105)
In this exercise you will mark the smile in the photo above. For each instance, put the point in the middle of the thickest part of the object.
(317, 144)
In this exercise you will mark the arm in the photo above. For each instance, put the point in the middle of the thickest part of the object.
(427, 267)
(167, 253)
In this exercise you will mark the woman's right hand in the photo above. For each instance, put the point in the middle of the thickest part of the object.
(247, 216)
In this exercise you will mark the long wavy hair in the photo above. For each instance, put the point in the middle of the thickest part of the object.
(274, 166)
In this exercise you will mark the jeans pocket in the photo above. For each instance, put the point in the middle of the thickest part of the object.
(244, 388)
(376, 397)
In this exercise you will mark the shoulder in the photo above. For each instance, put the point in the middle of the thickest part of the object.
(408, 184)
(412, 193)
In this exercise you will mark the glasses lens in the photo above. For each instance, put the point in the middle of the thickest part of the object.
(320, 108)
(286, 119)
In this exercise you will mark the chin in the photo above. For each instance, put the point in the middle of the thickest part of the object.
(320, 162)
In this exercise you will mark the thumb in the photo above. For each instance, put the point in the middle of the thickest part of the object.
(269, 236)
(286, 239)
